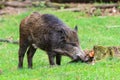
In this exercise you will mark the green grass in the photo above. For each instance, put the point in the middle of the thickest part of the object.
(92, 31)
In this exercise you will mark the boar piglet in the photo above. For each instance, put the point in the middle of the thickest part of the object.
(50, 34)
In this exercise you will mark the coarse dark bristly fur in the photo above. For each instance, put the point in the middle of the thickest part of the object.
(50, 34)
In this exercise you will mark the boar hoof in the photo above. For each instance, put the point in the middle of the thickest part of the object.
(51, 66)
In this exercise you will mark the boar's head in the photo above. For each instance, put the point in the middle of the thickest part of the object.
(70, 46)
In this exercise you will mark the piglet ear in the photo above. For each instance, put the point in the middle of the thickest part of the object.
(76, 28)
(91, 54)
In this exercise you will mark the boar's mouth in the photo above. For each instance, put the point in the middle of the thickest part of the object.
(80, 56)
(85, 59)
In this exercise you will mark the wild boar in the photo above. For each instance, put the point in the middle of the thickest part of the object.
(50, 34)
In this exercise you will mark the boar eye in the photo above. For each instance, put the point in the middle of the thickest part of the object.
(72, 43)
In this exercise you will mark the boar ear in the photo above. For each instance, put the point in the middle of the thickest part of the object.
(62, 36)
(76, 28)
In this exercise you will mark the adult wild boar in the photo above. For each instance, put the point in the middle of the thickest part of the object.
(50, 34)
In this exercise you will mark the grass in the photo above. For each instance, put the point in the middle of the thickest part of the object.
(92, 31)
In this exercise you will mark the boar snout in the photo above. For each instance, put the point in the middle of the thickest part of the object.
(86, 57)
(79, 54)
(83, 56)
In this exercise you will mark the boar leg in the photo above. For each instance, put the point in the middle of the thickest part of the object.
(58, 59)
(22, 49)
(30, 54)
(51, 58)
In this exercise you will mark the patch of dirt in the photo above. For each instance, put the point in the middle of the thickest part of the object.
(12, 10)
(89, 9)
